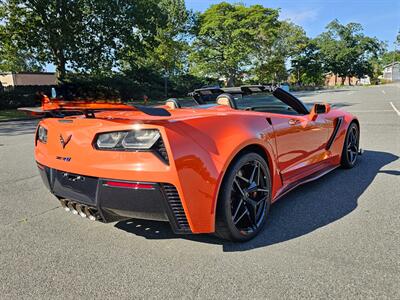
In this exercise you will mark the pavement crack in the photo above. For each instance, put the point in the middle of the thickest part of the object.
(27, 219)
(20, 179)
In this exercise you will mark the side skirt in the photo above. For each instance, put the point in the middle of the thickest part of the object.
(304, 180)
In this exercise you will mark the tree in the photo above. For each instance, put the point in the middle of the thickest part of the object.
(171, 46)
(12, 58)
(273, 51)
(227, 37)
(80, 34)
(346, 51)
(391, 56)
(307, 65)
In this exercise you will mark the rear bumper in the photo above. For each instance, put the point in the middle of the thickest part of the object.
(114, 200)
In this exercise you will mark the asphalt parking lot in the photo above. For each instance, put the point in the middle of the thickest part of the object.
(337, 237)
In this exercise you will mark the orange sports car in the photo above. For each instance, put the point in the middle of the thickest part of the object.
(211, 164)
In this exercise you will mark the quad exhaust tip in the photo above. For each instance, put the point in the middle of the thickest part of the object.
(71, 206)
(80, 209)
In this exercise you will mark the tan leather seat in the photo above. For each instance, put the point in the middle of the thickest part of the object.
(172, 103)
(226, 99)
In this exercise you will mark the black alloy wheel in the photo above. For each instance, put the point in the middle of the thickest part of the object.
(351, 147)
(245, 198)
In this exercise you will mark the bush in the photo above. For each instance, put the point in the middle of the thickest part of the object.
(22, 96)
(125, 87)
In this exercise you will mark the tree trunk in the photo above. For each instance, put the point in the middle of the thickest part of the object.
(61, 9)
(60, 67)
(342, 80)
(60, 70)
(230, 81)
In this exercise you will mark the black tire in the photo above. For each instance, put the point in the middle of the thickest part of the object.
(244, 198)
(350, 147)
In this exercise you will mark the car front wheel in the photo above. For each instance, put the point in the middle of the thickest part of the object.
(350, 147)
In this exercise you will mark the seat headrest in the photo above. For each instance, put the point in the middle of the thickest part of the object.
(172, 103)
(226, 99)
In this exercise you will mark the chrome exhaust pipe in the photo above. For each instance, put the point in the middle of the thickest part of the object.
(64, 204)
(79, 208)
(89, 214)
(71, 207)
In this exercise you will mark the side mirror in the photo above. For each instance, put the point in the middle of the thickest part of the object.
(319, 108)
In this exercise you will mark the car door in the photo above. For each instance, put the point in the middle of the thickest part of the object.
(300, 143)
(300, 137)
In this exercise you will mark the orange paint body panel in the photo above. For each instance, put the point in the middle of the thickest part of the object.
(200, 144)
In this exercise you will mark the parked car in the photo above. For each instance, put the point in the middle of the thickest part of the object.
(212, 167)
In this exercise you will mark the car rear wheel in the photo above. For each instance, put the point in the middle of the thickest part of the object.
(351, 147)
(244, 199)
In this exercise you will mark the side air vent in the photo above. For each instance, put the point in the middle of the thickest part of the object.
(176, 208)
(338, 123)
(159, 148)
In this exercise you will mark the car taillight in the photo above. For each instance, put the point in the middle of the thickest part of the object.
(140, 139)
(41, 135)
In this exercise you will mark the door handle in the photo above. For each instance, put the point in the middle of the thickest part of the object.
(293, 122)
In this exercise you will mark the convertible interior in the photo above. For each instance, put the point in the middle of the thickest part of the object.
(253, 98)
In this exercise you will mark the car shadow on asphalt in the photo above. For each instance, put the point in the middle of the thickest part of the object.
(307, 208)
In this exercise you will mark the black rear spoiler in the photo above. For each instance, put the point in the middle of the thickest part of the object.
(61, 112)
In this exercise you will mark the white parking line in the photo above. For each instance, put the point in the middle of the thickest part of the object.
(369, 111)
(383, 91)
(395, 109)
(350, 93)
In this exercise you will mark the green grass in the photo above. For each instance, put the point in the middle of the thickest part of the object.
(10, 114)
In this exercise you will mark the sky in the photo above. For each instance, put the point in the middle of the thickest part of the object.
(379, 18)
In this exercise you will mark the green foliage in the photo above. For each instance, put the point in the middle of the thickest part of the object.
(346, 51)
(83, 35)
(227, 39)
(131, 86)
(168, 54)
(128, 48)
(307, 65)
(22, 96)
(389, 57)
(272, 53)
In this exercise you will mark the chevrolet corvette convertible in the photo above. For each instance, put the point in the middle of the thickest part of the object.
(213, 163)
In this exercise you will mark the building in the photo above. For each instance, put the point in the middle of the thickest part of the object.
(10, 80)
(333, 79)
(365, 80)
(391, 72)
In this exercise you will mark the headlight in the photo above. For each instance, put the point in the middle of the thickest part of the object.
(127, 140)
(42, 134)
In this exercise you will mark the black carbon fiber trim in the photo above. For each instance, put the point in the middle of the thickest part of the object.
(339, 122)
(176, 209)
(159, 148)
